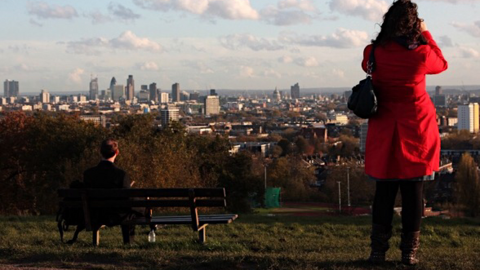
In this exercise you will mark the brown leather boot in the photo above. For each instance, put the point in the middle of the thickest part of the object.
(380, 236)
(409, 246)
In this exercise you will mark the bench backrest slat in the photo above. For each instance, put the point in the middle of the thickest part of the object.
(149, 192)
(142, 203)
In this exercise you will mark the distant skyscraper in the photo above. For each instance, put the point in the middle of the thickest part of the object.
(276, 95)
(212, 105)
(363, 136)
(213, 92)
(468, 117)
(10, 89)
(153, 92)
(438, 90)
(295, 91)
(118, 92)
(194, 96)
(168, 114)
(440, 100)
(113, 82)
(94, 89)
(175, 92)
(130, 88)
(143, 96)
(164, 97)
(44, 96)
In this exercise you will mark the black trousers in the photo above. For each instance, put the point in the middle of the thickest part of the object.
(412, 204)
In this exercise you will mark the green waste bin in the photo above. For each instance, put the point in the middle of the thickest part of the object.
(272, 197)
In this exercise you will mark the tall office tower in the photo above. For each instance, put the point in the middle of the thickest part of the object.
(130, 88)
(175, 92)
(276, 95)
(113, 82)
(212, 105)
(143, 96)
(164, 97)
(106, 94)
(118, 92)
(168, 114)
(363, 136)
(10, 89)
(194, 96)
(44, 96)
(153, 92)
(295, 91)
(440, 100)
(468, 117)
(438, 90)
(143, 87)
(213, 92)
(94, 89)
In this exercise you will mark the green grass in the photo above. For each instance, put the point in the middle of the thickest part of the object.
(251, 242)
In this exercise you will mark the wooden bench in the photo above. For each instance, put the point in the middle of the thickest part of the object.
(150, 198)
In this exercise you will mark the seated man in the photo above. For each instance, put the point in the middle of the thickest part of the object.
(107, 175)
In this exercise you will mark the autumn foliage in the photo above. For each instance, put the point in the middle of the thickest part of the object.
(40, 153)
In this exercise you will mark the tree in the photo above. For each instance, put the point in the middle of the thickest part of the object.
(468, 185)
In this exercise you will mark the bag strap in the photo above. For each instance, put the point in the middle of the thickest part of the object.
(371, 61)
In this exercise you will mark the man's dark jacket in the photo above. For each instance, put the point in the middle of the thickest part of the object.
(107, 175)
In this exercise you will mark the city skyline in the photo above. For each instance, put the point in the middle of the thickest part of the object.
(215, 44)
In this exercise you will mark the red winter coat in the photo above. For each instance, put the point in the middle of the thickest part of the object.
(403, 140)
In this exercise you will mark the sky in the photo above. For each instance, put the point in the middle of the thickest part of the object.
(59, 45)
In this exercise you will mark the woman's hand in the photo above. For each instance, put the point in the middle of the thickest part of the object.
(423, 26)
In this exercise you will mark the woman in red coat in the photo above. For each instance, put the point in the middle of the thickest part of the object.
(403, 143)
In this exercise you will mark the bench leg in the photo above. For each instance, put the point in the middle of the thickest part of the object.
(202, 235)
(128, 234)
(96, 237)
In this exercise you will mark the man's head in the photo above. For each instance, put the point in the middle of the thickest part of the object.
(109, 148)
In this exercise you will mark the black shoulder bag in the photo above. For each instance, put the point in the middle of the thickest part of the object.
(363, 101)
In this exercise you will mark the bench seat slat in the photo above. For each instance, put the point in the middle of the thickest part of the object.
(203, 219)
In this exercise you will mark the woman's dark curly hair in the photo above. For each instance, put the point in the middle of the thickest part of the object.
(401, 20)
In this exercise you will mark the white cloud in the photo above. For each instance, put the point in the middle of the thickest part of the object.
(338, 73)
(271, 73)
(469, 52)
(126, 41)
(372, 10)
(76, 75)
(473, 29)
(285, 59)
(307, 62)
(306, 5)
(122, 13)
(97, 17)
(342, 38)
(20, 49)
(234, 42)
(150, 65)
(129, 41)
(290, 12)
(246, 71)
(198, 65)
(288, 17)
(445, 41)
(226, 9)
(43, 10)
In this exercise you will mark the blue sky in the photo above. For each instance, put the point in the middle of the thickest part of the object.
(224, 44)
